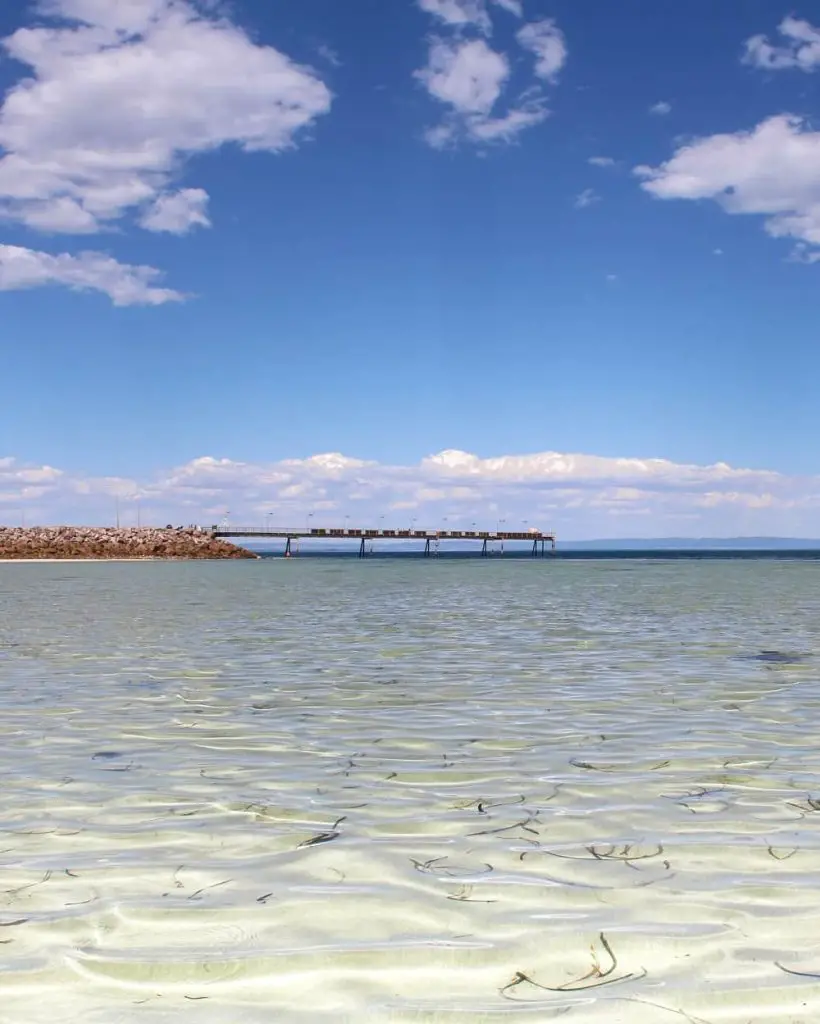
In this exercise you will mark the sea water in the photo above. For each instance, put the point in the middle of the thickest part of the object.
(410, 790)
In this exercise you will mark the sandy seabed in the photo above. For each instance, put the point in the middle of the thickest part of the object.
(394, 792)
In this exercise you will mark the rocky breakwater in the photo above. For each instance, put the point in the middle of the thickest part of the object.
(113, 542)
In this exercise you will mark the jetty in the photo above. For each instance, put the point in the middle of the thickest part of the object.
(541, 542)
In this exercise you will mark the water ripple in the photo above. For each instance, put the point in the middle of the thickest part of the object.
(410, 792)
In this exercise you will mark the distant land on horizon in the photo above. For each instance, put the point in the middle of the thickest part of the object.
(697, 543)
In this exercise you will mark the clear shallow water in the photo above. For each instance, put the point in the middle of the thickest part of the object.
(409, 791)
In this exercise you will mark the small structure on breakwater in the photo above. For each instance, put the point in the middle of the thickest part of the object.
(103, 542)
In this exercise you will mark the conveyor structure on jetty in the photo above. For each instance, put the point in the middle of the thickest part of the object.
(541, 542)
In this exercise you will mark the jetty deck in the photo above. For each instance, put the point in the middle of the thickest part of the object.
(541, 541)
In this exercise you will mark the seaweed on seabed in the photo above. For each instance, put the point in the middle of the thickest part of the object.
(596, 977)
(772, 852)
(576, 763)
(811, 804)
(599, 977)
(626, 853)
(431, 867)
(772, 657)
(323, 837)
(464, 895)
(524, 824)
(798, 974)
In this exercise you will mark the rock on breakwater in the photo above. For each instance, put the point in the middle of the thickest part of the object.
(114, 542)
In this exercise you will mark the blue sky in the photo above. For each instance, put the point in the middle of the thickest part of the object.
(541, 260)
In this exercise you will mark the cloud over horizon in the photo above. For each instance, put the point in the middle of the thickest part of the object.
(581, 496)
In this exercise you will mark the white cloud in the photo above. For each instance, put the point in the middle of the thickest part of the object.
(89, 271)
(120, 94)
(800, 50)
(546, 41)
(329, 55)
(468, 77)
(459, 13)
(61, 215)
(178, 212)
(573, 493)
(511, 6)
(661, 109)
(473, 14)
(749, 499)
(773, 171)
(21, 486)
(509, 126)
(601, 161)
(557, 466)
(128, 16)
(803, 254)
(586, 198)
(328, 464)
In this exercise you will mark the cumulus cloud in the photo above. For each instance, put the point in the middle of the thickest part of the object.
(576, 494)
(549, 467)
(119, 94)
(803, 254)
(601, 161)
(468, 13)
(586, 198)
(511, 6)
(459, 13)
(799, 50)
(178, 212)
(21, 484)
(509, 126)
(546, 41)
(661, 109)
(468, 77)
(772, 171)
(125, 285)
